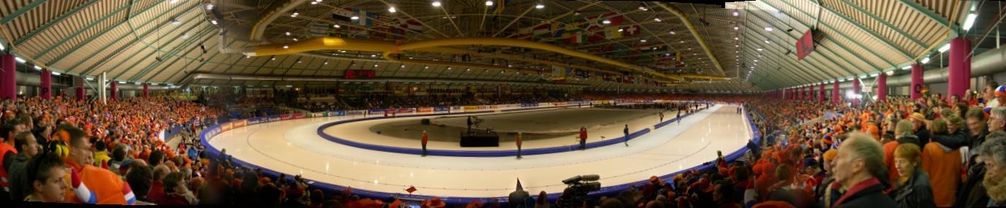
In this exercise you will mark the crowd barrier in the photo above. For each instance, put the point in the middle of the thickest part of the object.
(208, 133)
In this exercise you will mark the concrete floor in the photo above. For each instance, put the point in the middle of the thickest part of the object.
(294, 147)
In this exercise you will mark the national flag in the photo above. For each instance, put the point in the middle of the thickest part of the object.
(612, 33)
(595, 36)
(541, 29)
(363, 17)
(632, 30)
(558, 29)
(578, 37)
(572, 27)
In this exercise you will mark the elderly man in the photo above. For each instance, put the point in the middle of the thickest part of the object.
(860, 174)
(972, 192)
(997, 119)
(993, 154)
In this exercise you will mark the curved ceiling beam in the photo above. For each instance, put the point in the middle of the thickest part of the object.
(274, 12)
(532, 45)
(695, 33)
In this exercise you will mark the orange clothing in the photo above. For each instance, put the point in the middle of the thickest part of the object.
(892, 171)
(107, 187)
(944, 168)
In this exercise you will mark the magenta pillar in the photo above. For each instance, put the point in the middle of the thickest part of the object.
(882, 87)
(810, 93)
(916, 87)
(45, 79)
(820, 93)
(80, 89)
(146, 89)
(959, 68)
(856, 88)
(836, 98)
(8, 81)
(114, 89)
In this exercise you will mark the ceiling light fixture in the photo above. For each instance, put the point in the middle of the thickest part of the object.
(672, 32)
(539, 6)
(436, 4)
(326, 63)
(337, 26)
(287, 33)
(945, 48)
(657, 19)
(606, 22)
(209, 6)
(770, 29)
(392, 9)
(642, 40)
(295, 14)
(489, 3)
(354, 17)
(214, 22)
(736, 28)
(969, 21)
(735, 13)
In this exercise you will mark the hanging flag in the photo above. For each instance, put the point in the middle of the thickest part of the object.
(363, 17)
(558, 29)
(578, 37)
(595, 36)
(541, 29)
(632, 30)
(612, 33)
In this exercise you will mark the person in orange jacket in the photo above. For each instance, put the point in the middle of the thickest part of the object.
(89, 184)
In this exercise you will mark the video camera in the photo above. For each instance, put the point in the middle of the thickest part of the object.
(577, 188)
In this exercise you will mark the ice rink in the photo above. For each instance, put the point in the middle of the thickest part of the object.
(293, 147)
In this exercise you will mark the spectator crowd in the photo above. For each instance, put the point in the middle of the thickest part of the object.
(898, 152)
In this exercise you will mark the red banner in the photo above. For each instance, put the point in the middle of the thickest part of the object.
(359, 74)
(804, 45)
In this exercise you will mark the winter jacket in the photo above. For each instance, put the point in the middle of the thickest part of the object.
(916, 192)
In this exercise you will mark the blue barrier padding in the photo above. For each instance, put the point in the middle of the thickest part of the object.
(213, 152)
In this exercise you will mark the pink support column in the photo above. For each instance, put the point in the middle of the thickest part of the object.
(959, 68)
(820, 93)
(80, 93)
(45, 79)
(146, 89)
(8, 79)
(916, 87)
(882, 87)
(856, 88)
(808, 93)
(114, 89)
(836, 97)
